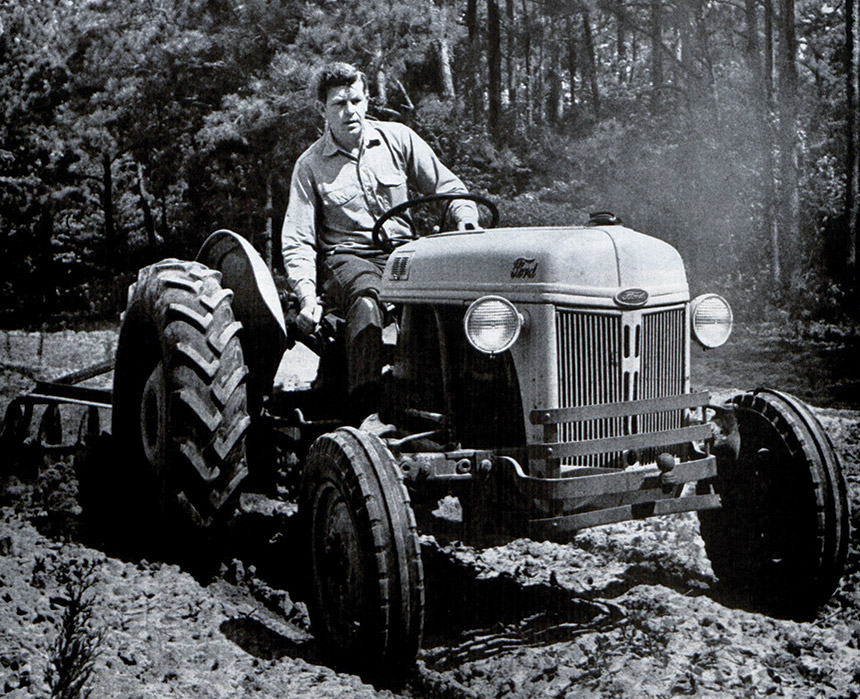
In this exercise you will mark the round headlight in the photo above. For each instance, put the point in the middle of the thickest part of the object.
(711, 318)
(492, 324)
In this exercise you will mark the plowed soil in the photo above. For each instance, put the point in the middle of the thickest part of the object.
(629, 610)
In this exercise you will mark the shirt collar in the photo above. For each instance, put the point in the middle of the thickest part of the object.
(371, 137)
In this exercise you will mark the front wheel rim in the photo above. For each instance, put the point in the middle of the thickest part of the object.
(337, 561)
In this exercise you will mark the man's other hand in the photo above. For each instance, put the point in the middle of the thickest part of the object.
(309, 317)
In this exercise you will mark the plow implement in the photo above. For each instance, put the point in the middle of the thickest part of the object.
(52, 438)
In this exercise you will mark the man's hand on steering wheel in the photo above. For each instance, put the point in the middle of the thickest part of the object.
(384, 243)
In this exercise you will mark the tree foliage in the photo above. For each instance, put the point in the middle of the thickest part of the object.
(130, 131)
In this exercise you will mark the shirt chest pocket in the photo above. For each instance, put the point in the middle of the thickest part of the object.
(338, 195)
(391, 187)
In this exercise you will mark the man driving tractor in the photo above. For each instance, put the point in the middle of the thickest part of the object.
(358, 169)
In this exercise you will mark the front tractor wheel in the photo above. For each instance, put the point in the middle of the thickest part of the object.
(366, 599)
(180, 406)
(781, 537)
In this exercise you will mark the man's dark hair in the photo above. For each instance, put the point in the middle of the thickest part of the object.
(337, 74)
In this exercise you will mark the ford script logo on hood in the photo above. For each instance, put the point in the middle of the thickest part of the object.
(631, 298)
(524, 268)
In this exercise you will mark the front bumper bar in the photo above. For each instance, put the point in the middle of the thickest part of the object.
(551, 419)
(555, 501)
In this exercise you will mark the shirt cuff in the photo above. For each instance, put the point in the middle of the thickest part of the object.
(305, 289)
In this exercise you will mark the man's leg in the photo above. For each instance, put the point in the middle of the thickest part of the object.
(351, 284)
(364, 357)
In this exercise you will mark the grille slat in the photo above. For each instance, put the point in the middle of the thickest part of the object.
(592, 347)
(663, 367)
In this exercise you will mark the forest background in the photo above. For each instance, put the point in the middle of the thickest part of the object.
(130, 131)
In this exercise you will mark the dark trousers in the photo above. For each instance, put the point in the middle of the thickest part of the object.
(350, 284)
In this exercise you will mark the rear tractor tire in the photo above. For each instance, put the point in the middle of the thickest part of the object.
(180, 404)
(780, 540)
(366, 597)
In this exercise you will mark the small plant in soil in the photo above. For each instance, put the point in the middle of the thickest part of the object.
(79, 638)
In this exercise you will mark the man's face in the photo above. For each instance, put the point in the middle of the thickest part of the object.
(344, 111)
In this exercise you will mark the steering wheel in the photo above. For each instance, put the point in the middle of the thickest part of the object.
(381, 239)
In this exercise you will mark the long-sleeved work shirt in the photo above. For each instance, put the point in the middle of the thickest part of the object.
(336, 197)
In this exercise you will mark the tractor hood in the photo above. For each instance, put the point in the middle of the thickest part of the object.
(602, 266)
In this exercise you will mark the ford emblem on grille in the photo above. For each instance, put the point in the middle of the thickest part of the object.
(631, 298)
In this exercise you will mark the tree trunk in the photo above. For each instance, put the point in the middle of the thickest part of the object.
(591, 61)
(473, 68)
(656, 54)
(541, 71)
(572, 62)
(381, 87)
(768, 47)
(634, 57)
(280, 196)
(620, 42)
(116, 248)
(703, 53)
(265, 234)
(760, 97)
(527, 54)
(789, 198)
(689, 76)
(148, 221)
(472, 19)
(510, 62)
(46, 286)
(773, 204)
(116, 245)
(852, 164)
(494, 65)
(555, 95)
(107, 202)
(162, 223)
(379, 78)
(752, 55)
(445, 74)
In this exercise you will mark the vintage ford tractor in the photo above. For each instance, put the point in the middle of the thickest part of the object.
(540, 376)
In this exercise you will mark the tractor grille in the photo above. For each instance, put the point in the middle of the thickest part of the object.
(612, 357)
(662, 373)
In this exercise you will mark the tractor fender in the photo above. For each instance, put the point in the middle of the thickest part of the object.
(255, 304)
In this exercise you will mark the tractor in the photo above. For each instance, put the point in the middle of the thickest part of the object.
(536, 382)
